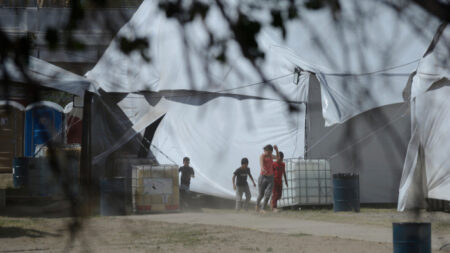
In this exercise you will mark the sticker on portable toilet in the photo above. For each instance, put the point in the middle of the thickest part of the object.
(165, 198)
(158, 186)
(3, 123)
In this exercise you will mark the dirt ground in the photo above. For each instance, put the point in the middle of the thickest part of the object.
(218, 231)
(6, 180)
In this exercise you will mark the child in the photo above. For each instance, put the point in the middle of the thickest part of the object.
(278, 172)
(265, 180)
(186, 173)
(240, 184)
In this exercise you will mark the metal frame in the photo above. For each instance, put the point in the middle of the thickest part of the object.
(309, 183)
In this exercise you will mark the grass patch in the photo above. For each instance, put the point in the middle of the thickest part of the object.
(16, 222)
(244, 248)
(6, 181)
(441, 226)
(299, 235)
(188, 237)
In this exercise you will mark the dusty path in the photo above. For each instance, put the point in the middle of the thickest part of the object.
(290, 225)
(216, 231)
(278, 225)
(128, 234)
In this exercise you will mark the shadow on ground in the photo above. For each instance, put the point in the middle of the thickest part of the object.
(14, 232)
(55, 209)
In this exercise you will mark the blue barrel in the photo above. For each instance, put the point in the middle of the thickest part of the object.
(346, 192)
(39, 177)
(112, 196)
(20, 172)
(411, 237)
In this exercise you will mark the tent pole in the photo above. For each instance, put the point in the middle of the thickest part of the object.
(86, 159)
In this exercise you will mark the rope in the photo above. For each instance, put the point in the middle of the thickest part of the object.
(253, 84)
(294, 72)
(157, 149)
(378, 71)
(164, 154)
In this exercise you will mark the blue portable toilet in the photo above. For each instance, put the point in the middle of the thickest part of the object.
(43, 122)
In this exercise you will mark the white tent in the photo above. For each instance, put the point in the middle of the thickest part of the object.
(218, 132)
(426, 173)
(360, 66)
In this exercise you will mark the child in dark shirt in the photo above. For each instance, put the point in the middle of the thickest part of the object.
(187, 173)
(240, 184)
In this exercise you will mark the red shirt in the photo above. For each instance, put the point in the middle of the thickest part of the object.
(278, 171)
(267, 169)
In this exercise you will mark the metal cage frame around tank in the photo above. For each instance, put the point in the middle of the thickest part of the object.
(310, 183)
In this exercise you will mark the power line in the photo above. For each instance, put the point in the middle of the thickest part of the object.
(378, 71)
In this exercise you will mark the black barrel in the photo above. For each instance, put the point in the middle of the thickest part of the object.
(112, 196)
(20, 172)
(412, 237)
(346, 192)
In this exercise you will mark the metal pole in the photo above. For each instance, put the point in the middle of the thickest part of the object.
(85, 163)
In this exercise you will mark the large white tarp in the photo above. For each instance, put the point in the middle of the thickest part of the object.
(214, 130)
(362, 62)
(217, 134)
(426, 173)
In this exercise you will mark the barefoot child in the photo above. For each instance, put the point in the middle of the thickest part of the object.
(240, 184)
(265, 180)
(278, 172)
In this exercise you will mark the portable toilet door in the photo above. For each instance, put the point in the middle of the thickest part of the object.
(11, 133)
(43, 122)
(73, 124)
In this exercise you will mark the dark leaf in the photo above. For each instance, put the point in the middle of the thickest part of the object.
(23, 49)
(245, 31)
(74, 44)
(127, 46)
(277, 22)
(292, 11)
(76, 14)
(171, 9)
(200, 9)
(52, 38)
(335, 5)
(222, 57)
(314, 4)
(100, 3)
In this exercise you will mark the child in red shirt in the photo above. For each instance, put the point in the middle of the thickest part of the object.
(265, 180)
(278, 172)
